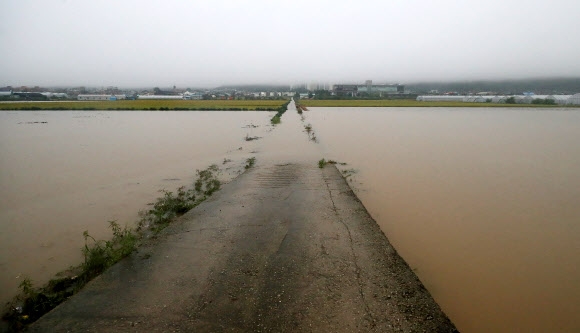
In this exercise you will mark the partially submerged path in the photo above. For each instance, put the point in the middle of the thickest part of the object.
(283, 248)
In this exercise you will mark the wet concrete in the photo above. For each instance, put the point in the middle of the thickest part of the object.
(282, 248)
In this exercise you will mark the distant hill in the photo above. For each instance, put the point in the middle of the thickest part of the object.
(549, 86)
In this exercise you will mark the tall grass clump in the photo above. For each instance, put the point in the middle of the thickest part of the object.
(276, 120)
(32, 303)
(99, 255)
(207, 182)
(278, 116)
(171, 205)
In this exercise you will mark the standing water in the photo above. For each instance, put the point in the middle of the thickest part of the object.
(482, 203)
(64, 172)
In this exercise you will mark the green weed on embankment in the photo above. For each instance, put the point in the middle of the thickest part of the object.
(170, 205)
(278, 116)
(99, 255)
(33, 302)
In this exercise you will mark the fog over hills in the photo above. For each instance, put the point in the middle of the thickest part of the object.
(211, 43)
(538, 86)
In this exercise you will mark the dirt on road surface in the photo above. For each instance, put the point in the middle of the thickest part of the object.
(283, 248)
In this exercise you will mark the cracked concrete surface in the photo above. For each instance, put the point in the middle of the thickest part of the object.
(283, 248)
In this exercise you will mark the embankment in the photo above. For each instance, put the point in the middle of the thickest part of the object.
(282, 248)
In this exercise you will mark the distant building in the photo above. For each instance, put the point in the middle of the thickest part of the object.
(5, 92)
(29, 95)
(368, 88)
(381, 89)
(440, 98)
(192, 95)
(574, 99)
(164, 97)
(345, 90)
(55, 95)
(86, 97)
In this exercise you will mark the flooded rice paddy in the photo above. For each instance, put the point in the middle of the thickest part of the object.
(482, 203)
(65, 172)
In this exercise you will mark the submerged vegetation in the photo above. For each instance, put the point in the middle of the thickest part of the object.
(251, 138)
(99, 255)
(348, 172)
(310, 132)
(250, 163)
(345, 173)
(162, 105)
(322, 163)
(300, 107)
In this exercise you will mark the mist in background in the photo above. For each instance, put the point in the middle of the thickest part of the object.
(210, 43)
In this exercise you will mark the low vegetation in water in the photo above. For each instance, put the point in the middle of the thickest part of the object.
(348, 172)
(99, 255)
(167, 208)
(251, 138)
(250, 162)
(322, 163)
(162, 105)
(171, 205)
(300, 108)
(310, 132)
(33, 302)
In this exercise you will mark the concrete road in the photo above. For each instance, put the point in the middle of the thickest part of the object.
(282, 248)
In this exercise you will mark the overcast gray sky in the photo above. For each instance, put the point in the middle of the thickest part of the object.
(207, 43)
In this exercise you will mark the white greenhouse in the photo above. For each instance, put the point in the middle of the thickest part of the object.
(574, 99)
(83, 97)
(160, 97)
(519, 99)
(440, 98)
(559, 99)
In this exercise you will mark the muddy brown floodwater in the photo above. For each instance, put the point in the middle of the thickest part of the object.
(65, 172)
(483, 204)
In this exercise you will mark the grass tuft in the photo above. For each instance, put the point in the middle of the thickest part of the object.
(32, 303)
(250, 163)
(99, 255)
(170, 205)
(278, 116)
